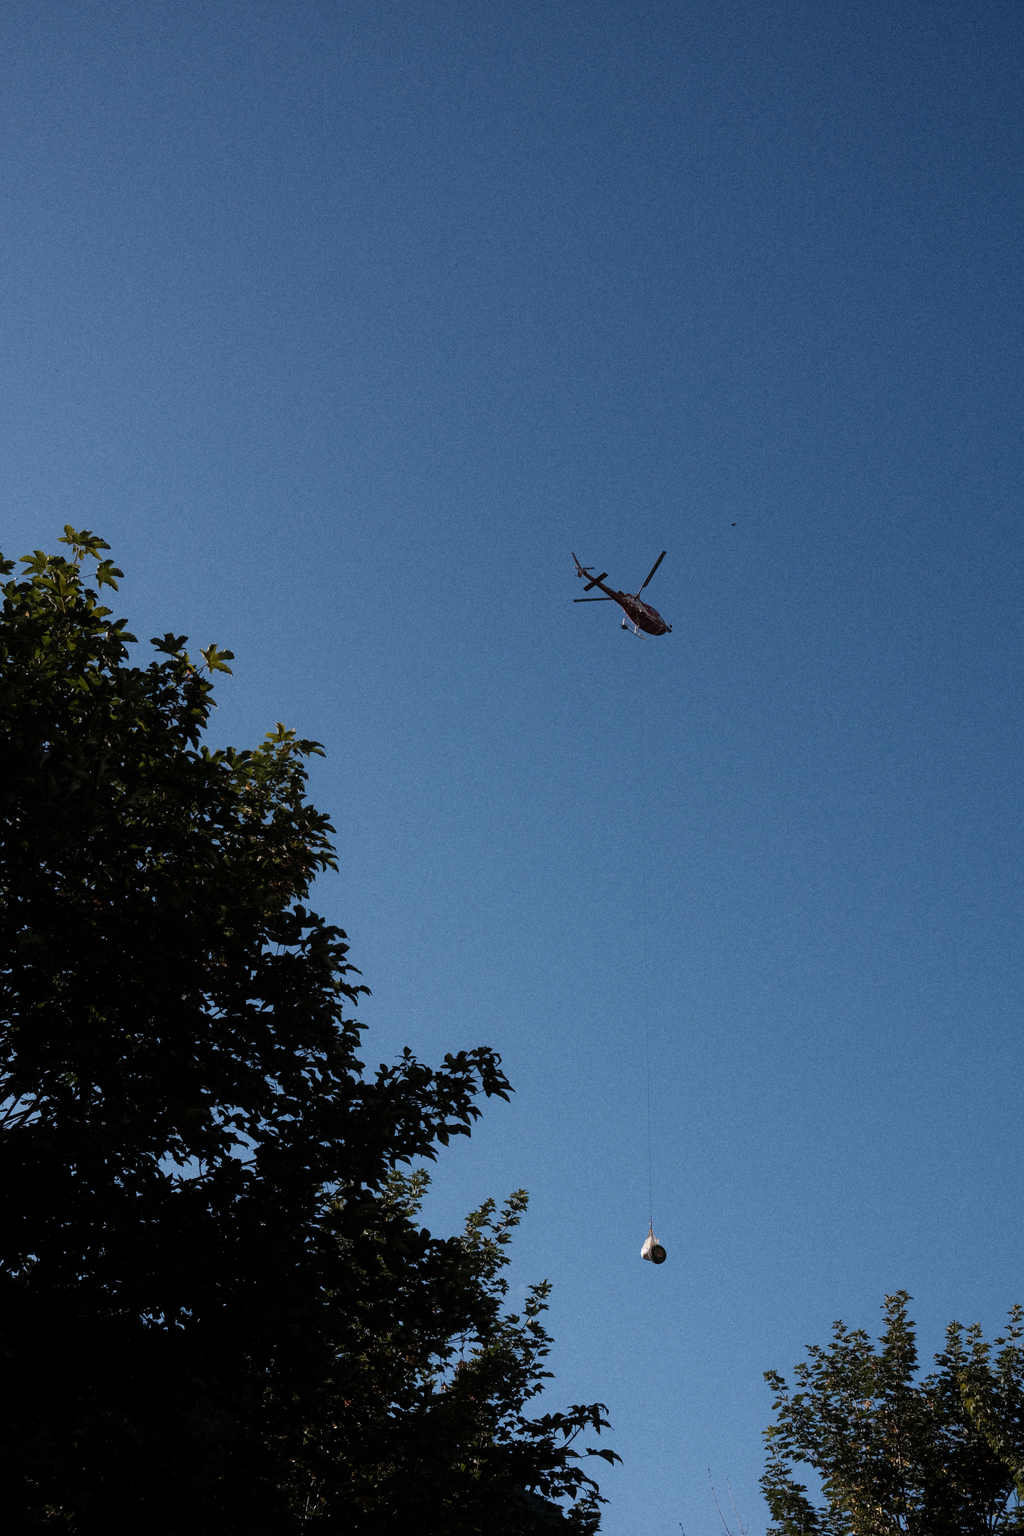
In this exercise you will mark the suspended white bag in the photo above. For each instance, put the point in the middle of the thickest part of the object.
(652, 1249)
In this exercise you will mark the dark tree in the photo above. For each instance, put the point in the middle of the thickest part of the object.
(938, 1456)
(217, 1311)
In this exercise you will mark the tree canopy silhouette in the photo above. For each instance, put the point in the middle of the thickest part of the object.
(937, 1456)
(216, 1303)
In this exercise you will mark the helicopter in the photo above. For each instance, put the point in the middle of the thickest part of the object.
(641, 615)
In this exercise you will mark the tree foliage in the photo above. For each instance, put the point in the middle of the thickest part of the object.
(938, 1456)
(215, 1300)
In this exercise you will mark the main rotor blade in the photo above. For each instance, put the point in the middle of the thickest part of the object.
(654, 567)
(593, 599)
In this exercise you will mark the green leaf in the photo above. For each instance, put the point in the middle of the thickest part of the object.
(216, 661)
(170, 644)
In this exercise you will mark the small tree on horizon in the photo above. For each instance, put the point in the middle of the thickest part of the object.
(942, 1455)
(217, 1310)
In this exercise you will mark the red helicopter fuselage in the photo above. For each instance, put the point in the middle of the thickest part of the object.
(640, 614)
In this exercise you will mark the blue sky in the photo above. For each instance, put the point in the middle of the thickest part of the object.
(344, 323)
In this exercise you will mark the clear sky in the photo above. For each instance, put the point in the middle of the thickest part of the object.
(344, 321)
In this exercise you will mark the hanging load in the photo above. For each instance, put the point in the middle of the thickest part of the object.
(652, 1249)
